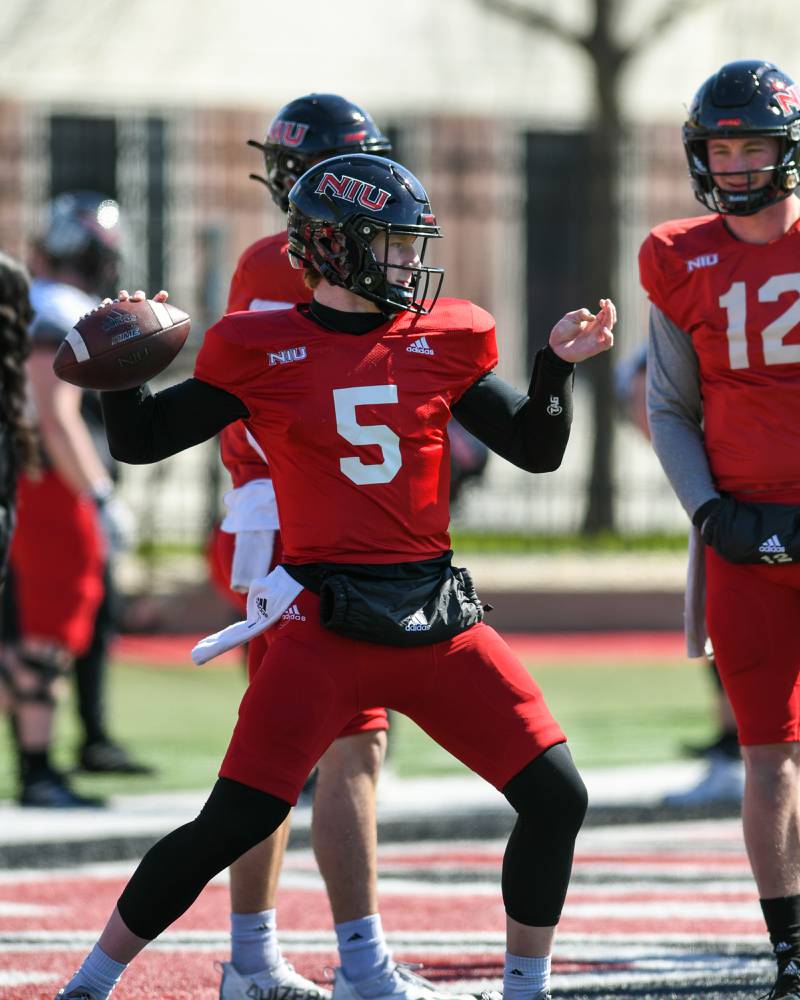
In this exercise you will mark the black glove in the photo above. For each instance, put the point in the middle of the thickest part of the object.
(744, 532)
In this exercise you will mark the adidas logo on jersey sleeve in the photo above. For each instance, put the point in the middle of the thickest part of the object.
(420, 346)
(772, 546)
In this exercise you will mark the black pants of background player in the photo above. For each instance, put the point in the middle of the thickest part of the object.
(99, 752)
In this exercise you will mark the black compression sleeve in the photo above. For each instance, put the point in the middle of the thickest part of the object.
(144, 427)
(530, 431)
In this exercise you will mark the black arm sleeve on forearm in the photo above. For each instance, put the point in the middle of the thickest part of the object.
(530, 431)
(142, 427)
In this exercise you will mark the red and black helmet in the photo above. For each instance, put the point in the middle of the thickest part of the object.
(745, 98)
(310, 129)
(340, 206)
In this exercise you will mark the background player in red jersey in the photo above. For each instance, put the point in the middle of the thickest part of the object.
(59, 613)
(724, 410)
(349, 398)
(305, 131)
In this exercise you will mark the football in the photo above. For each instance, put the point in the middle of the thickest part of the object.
(121, 345)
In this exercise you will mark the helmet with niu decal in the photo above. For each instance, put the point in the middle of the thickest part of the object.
(741, 100)
(343, 213)
(310, 129)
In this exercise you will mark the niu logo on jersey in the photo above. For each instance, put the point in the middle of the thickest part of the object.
(290, 354)
(704, 260)
(352, 189)
(287, 133)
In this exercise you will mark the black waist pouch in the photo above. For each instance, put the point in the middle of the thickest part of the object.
(406, 604)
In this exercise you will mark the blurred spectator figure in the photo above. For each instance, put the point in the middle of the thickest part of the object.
(723, 779)
(18, 449)
(59, 611)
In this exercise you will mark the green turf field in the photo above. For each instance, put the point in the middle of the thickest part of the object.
(179, 719)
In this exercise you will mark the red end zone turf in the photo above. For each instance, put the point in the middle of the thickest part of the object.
(622, 647)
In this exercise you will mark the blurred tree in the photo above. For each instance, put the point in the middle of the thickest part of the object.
(610, 57)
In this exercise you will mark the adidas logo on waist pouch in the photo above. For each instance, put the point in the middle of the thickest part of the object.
(771, 545)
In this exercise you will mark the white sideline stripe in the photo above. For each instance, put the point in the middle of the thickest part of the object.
(11, 909)
(161, 313)
(11, 978)
(78, 345)
(650, 945)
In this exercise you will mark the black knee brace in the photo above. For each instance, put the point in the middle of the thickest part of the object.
(550, 799)
(44, 668)
(174, 871)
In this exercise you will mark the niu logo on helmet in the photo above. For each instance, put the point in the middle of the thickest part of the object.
(355, 190)
(287, 133)
(789, 99)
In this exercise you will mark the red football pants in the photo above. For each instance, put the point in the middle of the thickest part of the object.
(220, 557)
(57, 558)
(753, 616)
(470, 694)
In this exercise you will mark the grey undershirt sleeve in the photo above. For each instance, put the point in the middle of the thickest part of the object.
(675, 412)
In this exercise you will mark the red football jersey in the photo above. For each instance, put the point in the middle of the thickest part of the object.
(354, 427)
(263, 279)
(740, 304)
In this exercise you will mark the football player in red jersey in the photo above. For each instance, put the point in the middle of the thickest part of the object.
(59, 613)
(349, 398)
(305, 131)
(724, 385)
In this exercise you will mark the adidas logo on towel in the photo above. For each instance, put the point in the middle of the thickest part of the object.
(771, 546)
(420, 346)
(417, 623)
(292, 614)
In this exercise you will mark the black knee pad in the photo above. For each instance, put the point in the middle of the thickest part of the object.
(45, 668)
(550, 799)
(173, 872)
(550, 788)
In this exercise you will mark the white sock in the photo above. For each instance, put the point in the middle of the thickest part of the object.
(99, 974)
(254, 942)
(362, 948)
(524, 977)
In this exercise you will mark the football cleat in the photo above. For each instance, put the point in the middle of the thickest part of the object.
(270, 984)
(787, 985)
(105, 757)
(397, 982)
(722, 782)
(49, 790)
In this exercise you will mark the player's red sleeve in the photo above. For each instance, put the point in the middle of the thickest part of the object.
(225, 361)
(239, 456)
(485, 340)
(240, 294)
(653, 273)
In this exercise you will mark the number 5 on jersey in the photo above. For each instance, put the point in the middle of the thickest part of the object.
(345, 402)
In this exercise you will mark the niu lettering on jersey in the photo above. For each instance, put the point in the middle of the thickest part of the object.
(263, 279)
(740, 304)
(355, 432)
